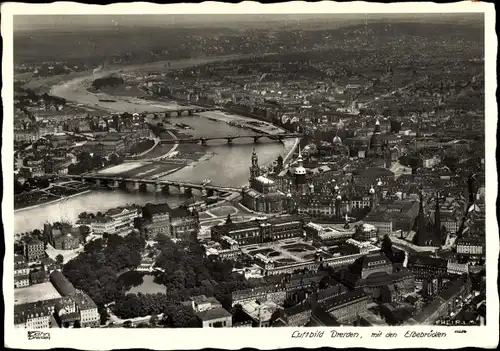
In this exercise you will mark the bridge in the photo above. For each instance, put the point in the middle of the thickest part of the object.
(160, 185)
(184, 111)
(204, 140)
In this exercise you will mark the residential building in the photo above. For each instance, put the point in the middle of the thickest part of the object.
(89, 315)
(470, 246)
(21, 268)
(36, 315)
(34, 250)
(215, 318)
(20, 281)
(347, 307)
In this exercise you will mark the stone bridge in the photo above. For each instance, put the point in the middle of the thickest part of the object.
(160, 185)
(204, 140)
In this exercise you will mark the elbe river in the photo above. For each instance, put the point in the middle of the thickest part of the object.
(226, 165)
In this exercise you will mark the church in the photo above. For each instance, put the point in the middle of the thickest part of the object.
(262, 194)
(428, 232)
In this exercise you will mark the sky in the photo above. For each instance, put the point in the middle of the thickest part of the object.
(89, 22)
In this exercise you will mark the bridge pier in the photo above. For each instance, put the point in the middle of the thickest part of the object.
(143, 187)
(256, 139)
(158, 187)
(166, 189)
(136, 185)
(188, 191)
(182, 190)
(229, 141)
(203, 142)
(98, 182)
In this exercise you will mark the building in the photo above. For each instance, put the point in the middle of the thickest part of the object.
(157, 218)
(89, 315)
(426, 232)
(380, 220)
(397, 313)
(366, 232)
(447, 303)
(210, 312)
(470, 246)
(202, 303)
(215, 318)
(34, 250)
(38, 276)
(21, 267)
(260, 312)
(115, 221)
(21, 280)
(65, 238)
(184, 223)
(376, 275)
(259, 231)
(262, 194)
(36, 315)
(347, 307)
(62, 284)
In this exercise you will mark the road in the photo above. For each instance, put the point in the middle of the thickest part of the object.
(393, 92)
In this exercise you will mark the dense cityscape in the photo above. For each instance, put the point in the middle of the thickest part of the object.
(311, 173)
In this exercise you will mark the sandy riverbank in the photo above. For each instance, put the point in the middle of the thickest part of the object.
(62, 198)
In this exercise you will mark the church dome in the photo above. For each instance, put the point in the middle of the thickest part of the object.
(339, 197)
(300, 170)
(372, 191)
(379, 183)
(337, 140)
(336, 187)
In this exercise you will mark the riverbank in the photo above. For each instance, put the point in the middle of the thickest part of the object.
(62, 198)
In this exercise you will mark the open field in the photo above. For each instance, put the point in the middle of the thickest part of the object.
(33, 293)
(120, 169)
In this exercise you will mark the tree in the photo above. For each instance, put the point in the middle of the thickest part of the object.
(153, 321)
(59, 259)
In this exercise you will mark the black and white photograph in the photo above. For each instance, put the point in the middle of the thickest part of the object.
(311, 171)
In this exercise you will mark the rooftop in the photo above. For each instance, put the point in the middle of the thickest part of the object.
(212, 314)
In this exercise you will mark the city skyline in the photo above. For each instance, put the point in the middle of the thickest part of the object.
(291, 171)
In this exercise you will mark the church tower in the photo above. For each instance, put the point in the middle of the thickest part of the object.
(437, 220)
(254, 169)
(300, 175)
(375, 142)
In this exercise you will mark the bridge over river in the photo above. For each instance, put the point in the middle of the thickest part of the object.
(203, 140)
(160, 185)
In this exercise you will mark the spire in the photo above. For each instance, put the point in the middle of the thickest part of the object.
(437, 216)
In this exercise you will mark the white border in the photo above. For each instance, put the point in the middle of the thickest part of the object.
(103, 339)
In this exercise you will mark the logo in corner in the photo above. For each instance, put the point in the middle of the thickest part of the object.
(38, 335)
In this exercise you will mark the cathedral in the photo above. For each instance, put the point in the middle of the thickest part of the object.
(262, 194)
(428, 232)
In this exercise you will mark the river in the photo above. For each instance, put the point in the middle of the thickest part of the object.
(228, 165)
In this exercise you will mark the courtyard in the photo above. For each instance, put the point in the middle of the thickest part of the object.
(285, 252)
